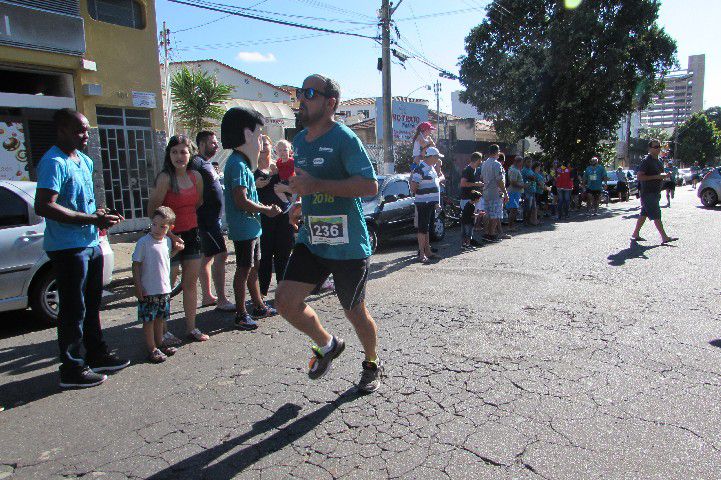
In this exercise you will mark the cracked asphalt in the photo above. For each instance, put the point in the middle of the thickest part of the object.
(563, 353)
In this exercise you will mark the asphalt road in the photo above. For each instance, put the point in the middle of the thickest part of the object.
(563, 353)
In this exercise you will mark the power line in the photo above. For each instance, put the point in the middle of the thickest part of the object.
(228, 9)
(437, 14)
(217, 19)
(334, 8)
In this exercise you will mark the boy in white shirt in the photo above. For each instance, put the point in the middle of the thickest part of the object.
(151, 275)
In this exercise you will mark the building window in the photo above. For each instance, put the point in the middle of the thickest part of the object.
(126, 13)
(365, 113)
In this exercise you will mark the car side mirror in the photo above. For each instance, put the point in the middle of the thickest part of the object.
(390, 199)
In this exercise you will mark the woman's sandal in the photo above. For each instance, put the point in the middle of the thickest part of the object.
(156, 356)
(168, 351)
(197, 336)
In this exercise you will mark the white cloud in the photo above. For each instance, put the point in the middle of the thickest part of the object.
(256, 57)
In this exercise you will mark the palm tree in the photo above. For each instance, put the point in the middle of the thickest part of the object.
(197, 99)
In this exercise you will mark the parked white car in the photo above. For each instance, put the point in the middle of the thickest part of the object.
(709, 190)
(26, 279)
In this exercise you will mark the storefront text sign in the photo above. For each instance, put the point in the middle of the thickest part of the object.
(144, 99)
(406, 117)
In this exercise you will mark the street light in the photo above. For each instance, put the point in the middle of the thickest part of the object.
(427, 87)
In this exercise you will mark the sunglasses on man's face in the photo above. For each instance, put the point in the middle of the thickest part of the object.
(655, 146)
(308, 93)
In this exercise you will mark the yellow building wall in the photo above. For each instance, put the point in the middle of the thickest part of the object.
(126, 58)
(127, 61)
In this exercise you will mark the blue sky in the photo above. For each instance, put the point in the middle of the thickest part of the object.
(278, 55)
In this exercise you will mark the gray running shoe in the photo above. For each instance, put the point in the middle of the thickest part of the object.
(370, 380)
(320, 364)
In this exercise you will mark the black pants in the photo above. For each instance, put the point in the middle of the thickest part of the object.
(276, 242)
(80, 286)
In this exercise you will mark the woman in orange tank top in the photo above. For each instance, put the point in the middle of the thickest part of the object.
(182, 190)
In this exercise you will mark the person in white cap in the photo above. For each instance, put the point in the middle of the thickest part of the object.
(425, 185)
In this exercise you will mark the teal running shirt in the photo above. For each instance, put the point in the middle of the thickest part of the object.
(333, 227)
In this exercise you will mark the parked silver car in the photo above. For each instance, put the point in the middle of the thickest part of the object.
(709, 190)
(26, 279)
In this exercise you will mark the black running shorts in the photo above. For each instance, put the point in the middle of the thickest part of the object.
(350, 276)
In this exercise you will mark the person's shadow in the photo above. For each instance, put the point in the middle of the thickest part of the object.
(635, 250)
(199, 465)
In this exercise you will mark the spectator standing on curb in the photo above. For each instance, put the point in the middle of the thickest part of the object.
(468, 219)
(564, 187)
(651, 177)
(151, 276)
(470, 178)
(494, 193)
(425, 185)
(670, 183)
(333, 173)
(594, 179)
(182, 190)
(212, 241)
(622, 184)
(240, 130)
(276, 241)
(65, 197)
(530, 208)
(515, 190)
(422, 140)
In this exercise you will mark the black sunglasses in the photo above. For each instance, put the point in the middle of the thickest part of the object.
(309, 93)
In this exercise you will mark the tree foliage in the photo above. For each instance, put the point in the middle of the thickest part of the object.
(660, 134)
(565, 76)
(197, 99)
(714, 114)
(698, 140)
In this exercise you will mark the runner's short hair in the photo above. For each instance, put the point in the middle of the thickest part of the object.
(494, 149)
(476, 156)
(64, 116)
(652, 141)
(166, 213)
(331, 88)
(202, 136)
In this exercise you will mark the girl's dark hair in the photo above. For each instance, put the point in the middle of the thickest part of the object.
(168, 166)
(536, 165)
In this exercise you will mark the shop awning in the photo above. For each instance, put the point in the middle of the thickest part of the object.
(274, 113)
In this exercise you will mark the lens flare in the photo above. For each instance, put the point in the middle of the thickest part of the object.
(571, 4)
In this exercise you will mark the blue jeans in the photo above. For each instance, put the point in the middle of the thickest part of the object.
(564, 202)
(79, 273)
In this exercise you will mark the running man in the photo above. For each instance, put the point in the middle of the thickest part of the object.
(670, 183)
(333, 172)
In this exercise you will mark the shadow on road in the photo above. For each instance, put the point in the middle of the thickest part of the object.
(199, 465)
(715, 343)
(635, 250)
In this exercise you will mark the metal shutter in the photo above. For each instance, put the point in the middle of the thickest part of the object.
(68, 7)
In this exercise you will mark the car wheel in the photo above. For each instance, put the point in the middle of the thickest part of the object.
(373, 238)
(44, 300)
(709, 198)
(439, 228)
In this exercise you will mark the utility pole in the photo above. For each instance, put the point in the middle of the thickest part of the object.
(437, 91)
(165, 41)
(388, 157)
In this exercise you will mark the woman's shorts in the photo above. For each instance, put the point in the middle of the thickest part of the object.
(192, 246)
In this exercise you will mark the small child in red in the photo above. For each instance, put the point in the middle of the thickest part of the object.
(286, 169)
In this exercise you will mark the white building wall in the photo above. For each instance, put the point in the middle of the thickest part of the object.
(463, 110)
(245, 87)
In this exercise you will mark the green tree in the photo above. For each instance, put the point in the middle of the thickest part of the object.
(197, 99)
(565, 76)
(658, 133)
(714, 114)
(698, 140)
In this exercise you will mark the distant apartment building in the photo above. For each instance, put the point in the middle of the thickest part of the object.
(682, 96)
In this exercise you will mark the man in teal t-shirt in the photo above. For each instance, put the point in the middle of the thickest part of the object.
(593, 179)
(240, 130)
(333, 171)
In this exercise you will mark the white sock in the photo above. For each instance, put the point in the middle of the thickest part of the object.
(327, 348)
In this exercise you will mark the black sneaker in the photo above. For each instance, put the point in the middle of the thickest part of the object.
(434, 250)
(475, 243)
(370, 380)
(320, 364)
(84, 378)
(107, 362)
